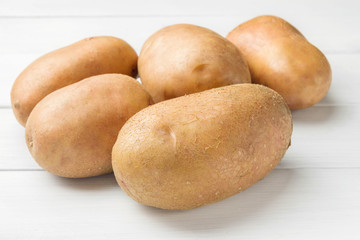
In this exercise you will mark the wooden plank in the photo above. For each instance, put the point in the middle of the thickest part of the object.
(302, 8)
(40, 35)
(13, 150)
(344, 89)
(287, 204)
(323, 137)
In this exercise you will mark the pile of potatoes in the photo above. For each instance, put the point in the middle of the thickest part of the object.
(210, 119)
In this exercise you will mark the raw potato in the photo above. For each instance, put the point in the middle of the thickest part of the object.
(183, 59)
(201, 148)
(71, 131)
(62, 67)
(280, 57)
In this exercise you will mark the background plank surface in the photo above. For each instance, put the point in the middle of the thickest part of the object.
(98, 8)
(287, 204)
(314, 193)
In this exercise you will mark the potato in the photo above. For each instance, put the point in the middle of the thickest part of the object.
(280, 57)
(201, 148)
(183, 59)
(57, 69)
(71, 131)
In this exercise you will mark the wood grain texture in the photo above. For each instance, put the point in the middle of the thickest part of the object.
(41, 35)
(14, 153)
(287, 204)
(98, 8)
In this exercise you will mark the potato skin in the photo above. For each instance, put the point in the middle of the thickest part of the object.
(280, 57)
(88, 57)
(201, 148)
(71, 131)
(182, 59)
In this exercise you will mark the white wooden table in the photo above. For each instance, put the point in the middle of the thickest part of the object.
(313, 194)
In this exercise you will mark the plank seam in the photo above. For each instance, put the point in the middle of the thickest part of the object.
(116, 16)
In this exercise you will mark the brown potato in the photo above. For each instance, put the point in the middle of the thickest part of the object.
(183, 59)
(71, 131)
(280, 57)
(62, 67)
(201, 148)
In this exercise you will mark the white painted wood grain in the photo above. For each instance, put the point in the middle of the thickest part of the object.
(41, 35)
(323, 137)
(100, 8)
(287, 204)
(13, 150)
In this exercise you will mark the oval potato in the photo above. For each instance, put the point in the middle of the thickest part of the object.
(184, 58)
(201, 148)
(280, 57)
(71, 131)
(62, 67)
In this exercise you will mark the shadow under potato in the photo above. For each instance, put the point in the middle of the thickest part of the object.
(239, 208)
(88, 184)
(314, 115)
(317, 113)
